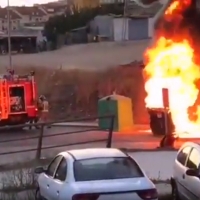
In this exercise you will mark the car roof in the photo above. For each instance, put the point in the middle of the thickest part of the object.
(81, 154)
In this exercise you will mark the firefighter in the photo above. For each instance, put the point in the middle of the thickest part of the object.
(42, 106)
(45, 109)
(34, 121)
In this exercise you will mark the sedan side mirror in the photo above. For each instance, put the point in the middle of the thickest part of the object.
(39, 170)
(192, 172)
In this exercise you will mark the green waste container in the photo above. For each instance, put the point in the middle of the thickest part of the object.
(120, 107)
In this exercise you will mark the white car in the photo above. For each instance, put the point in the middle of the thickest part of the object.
(186, 173)
(94, 174)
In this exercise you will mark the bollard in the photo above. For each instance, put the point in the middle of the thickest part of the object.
(168, 139)
(110, 133)
(39, 146)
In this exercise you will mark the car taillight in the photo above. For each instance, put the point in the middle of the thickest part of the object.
(85, 197)
(148, 194)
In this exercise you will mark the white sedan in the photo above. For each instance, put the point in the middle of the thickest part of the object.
(94, 174)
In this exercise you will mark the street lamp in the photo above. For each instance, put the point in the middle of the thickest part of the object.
(9, 35)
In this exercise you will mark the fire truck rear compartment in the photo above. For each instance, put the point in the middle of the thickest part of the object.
(17, 101)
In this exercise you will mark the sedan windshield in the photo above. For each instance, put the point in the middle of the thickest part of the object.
(106, 168)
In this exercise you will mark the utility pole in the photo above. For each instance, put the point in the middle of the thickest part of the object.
(9, 34)
(124, 20)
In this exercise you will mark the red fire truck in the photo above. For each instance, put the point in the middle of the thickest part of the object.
(18, 96)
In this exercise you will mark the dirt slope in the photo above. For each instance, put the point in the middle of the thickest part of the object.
(84, 56)
(74, 89)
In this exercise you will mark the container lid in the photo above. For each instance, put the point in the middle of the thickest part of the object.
(114, 97)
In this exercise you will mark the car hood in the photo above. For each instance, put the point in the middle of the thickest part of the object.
(115, 185)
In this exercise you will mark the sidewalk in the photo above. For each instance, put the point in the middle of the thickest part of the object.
(78, 124)
(140, 127)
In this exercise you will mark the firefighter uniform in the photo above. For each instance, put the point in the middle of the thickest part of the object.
(34, 121)
(45, 111)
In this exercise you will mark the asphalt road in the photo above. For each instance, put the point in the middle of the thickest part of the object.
(88, 137)
(138, 139)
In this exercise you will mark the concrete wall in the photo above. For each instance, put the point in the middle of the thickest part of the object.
(120, 29)
(102, 25)
(151, 27)
(138, 29)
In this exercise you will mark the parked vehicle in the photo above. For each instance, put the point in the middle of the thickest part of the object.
(94, 174)
(185, 181)
(18, 95)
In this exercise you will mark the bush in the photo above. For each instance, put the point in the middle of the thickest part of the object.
(75, 93)
(78, 18)
(21, 184)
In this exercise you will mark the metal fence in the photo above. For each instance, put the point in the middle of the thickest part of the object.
(39, 136)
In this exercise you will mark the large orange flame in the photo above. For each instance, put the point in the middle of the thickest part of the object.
(170, 64)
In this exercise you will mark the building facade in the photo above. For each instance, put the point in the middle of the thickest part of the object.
(14, 20)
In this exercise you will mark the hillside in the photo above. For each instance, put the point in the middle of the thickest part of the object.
(85, 56)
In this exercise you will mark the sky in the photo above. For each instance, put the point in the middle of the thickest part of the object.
(3, 3)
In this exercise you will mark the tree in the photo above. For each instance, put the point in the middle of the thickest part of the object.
(79, 18)
(80, 4)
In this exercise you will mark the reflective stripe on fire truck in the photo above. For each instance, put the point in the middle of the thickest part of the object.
(4, 99)
(45, 106)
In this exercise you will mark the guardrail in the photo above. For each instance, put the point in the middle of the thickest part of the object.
(40, 136)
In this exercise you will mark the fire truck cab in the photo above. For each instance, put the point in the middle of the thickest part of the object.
(18, 96)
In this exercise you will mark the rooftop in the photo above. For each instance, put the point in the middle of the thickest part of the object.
(13, 15)
(30, 11)
(96, 153)
(52, 8)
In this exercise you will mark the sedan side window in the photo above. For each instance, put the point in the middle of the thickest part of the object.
(61, 172)
(183, 154)
(53, 165)
(194, 159)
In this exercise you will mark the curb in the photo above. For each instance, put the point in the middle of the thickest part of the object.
(76, 125)
(158, 149)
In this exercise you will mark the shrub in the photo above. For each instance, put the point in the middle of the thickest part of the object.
(75, 93)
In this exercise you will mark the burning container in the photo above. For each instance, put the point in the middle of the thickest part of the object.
(160, 121)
